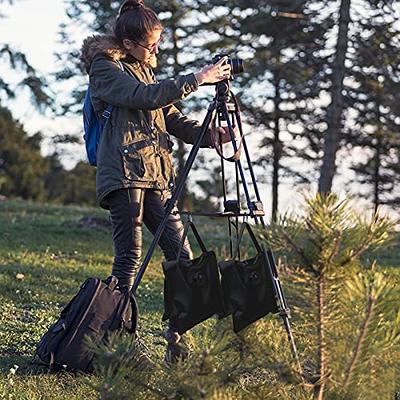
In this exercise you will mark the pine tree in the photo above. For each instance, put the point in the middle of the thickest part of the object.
(22, 167)
(334, 119)
(30, 78)
(341, 294)
(21, 164)
(345, 320)
(375, 97)
(282, 43)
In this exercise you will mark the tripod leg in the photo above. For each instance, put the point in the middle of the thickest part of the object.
(293, 347)
(225, 113)
(246, 151)
(284, 311)
(177, 191)
(281, 301)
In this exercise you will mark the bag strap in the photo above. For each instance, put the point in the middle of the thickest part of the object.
(134, 313)
(247, 226)
(111, 282)
(190, 224)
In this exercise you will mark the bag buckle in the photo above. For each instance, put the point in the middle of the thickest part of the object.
(106, 114)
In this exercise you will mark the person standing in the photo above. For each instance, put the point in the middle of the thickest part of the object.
(135, 171)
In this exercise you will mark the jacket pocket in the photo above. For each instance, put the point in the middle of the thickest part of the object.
(133, 166)
(139, 161)
(167, 167)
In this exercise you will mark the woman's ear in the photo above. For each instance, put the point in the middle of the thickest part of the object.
(127, 44)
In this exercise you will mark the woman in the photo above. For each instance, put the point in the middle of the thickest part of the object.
(134, 163)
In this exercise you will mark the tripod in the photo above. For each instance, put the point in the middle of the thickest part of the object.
(225, 107)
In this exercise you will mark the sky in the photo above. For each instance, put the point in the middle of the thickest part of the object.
(31, 26)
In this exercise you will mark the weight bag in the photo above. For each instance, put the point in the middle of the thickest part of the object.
(248, 286)
(192, 291)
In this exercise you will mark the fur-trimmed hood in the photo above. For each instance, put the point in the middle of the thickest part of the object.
(96, 44)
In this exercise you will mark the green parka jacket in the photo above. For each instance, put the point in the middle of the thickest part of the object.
(135, 149)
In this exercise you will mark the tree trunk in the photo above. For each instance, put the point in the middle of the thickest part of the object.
(377, 161)
(377, 176)
(277, 148)
(322, 358)
(335, 110)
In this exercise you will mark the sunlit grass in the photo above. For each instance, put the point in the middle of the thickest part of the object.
(44, 257)
(45, 254)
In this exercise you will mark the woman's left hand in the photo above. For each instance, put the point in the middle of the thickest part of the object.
(223, 133)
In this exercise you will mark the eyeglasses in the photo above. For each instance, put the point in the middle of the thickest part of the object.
(150, 48)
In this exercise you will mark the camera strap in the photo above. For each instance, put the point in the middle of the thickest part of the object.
(217, 144)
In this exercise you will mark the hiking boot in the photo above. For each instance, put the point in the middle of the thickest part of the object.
(177, 349)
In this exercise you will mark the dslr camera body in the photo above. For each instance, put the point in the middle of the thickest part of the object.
(235, 63)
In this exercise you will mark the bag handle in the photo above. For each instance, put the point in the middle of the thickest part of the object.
(247, 226)
(189, 224)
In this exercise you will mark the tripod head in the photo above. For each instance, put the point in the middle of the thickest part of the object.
(223, 88)
(225, 100)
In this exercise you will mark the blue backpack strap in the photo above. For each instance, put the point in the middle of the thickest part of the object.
(107, 112)
(93, 125)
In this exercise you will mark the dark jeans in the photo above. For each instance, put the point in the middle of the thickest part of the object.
(129, 208)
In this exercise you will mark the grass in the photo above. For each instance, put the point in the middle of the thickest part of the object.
(45, 254)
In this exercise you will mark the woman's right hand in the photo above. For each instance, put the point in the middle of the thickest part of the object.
(215, 72)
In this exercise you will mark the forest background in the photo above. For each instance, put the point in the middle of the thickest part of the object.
(320, 100)
(319, 95)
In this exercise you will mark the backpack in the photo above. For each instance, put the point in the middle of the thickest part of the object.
(98, 309)
(93, 125)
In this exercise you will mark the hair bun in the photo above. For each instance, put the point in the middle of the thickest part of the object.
(130, 5)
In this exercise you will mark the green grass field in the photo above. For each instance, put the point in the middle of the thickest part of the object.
(45, 254)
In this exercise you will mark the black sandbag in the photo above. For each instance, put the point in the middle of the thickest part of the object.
(192, 290)
(247, 287)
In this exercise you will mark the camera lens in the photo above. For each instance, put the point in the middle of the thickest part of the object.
(237, 65)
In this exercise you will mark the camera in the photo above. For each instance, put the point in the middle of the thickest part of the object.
(235, 63)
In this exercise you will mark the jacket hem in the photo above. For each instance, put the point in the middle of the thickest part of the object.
(127, 185)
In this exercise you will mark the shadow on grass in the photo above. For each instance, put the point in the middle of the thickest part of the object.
(22, 365)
